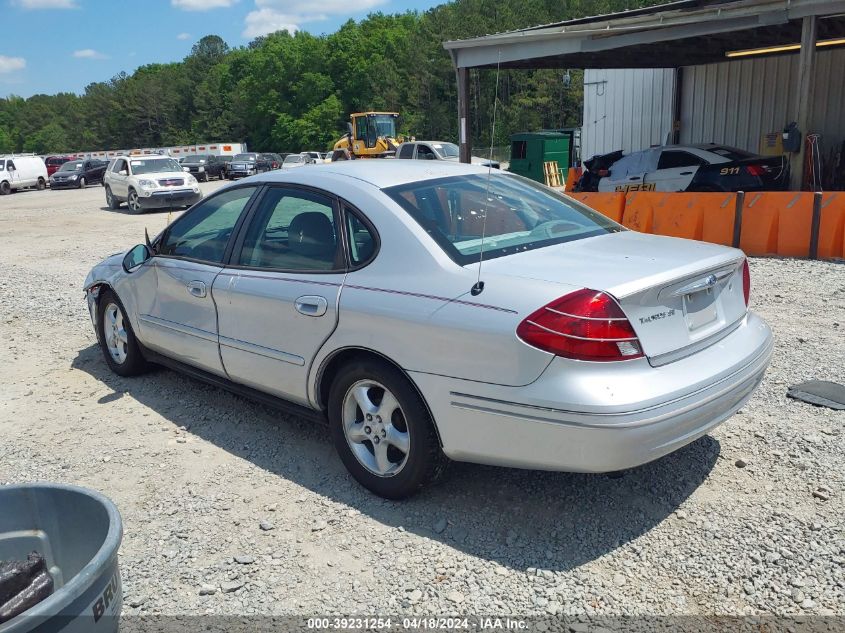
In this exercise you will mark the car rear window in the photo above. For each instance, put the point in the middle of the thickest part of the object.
(731, 153)
(520, 215)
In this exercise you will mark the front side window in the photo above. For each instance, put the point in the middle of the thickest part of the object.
(424, 152)
(119, 165)
(521, 215)
(673, 159)
(447, 150)
(204, 231)
(294, 231)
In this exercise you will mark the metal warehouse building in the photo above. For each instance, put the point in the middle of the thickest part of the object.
(690, 71)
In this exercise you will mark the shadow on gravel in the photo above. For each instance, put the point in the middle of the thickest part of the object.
(518, 518)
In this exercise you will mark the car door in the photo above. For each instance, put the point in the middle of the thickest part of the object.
(180, 320)
(277, 300)
(675, 170)
(118, 179)
(626, 174)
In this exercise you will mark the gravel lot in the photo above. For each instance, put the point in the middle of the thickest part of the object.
(233, 508)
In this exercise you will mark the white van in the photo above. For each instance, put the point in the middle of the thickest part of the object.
(18, 172)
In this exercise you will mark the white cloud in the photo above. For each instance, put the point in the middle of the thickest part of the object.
(11, 64)
(202, 5)
(183, 36)
(46, 4)
(275, 15)
(89, 53)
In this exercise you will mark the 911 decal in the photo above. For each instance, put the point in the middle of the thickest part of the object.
(729, 171)
(644, 186)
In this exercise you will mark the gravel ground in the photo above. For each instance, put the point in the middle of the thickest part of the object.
(233, 508)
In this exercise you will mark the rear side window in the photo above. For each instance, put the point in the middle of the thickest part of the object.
(204, 232)
(673, 159)
(406, 151)
(294, 231)
(520, 215)
(362, 241)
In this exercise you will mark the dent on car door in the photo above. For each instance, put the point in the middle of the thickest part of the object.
(277, 301)
(181, 319)
(626, 174)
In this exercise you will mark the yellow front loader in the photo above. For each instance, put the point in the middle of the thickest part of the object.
(369, 135)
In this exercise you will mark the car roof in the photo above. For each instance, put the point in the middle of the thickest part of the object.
(380, 172)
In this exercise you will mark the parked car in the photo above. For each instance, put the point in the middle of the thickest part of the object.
(149, 182)
(78, 174)
(294, 160)
(247, 164)
(204, 166)
(349, 294)
(437, 150)
(21, 172)
(274, 159)
(226, 159)
(54, 162)
(707, 167)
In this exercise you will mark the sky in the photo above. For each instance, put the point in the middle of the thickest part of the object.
(51, 46)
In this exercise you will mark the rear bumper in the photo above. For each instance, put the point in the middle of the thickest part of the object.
(160, 200)
(599, 417)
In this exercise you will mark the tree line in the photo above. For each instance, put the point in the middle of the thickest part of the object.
(292, 92)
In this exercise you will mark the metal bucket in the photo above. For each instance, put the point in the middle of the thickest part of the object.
(78, 532)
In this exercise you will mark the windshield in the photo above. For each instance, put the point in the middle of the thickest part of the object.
(225, 159)
(154, 166)
(73, 165)
(293, 159)
(446, 150)
(521, 215)
(384, 124)
(195, 158)
(244, 157)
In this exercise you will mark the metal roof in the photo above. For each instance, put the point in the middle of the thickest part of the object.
(682, 33)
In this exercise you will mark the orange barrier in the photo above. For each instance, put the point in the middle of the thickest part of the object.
(773, 222)
(572, 177)
(610, 205)
(832, 226)
(777, 223)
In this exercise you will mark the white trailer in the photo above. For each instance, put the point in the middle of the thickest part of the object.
(218, 148)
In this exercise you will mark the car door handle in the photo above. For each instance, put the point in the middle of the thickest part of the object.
(197, 289)
(685, 173)
(634, 178)
(311, 305)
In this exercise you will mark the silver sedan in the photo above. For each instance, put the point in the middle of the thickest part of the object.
(434, 311)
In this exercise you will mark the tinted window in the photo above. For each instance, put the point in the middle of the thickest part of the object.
(520, 215)
(292, 230)
(119, 164)
(731, 153)
(424, 152)
(674, 158)
(406, 151)
(447, 150)
(153, 166)
(204, 231)
(519, 149)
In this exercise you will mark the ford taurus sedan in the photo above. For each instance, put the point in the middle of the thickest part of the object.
(430, 311)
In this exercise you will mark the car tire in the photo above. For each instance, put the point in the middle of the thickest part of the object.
(121, 351)
(41, 184)
(112, 202)
(393, 456)
(133, 202)
(5, 188)
(81, 184)
(205, 177)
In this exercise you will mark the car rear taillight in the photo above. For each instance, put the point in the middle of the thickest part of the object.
(756, 170)
(746, 281)
(584, 325)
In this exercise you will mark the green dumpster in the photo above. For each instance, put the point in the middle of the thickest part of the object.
(529, 150)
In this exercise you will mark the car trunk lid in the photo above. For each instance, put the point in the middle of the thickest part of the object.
(679, 295)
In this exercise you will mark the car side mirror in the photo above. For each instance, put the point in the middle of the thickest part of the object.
(123, 172)
(135, 257)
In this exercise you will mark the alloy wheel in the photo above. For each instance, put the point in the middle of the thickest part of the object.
(133, 202)
(114, 333)
(375, 428)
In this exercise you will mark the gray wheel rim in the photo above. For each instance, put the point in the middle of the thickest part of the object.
(375, 428)
(114, 333)
(133, 201)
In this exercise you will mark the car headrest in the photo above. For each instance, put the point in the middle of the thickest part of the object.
(311, 233)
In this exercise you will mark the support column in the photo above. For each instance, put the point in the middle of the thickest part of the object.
(804, 98)
(677, 97)
(464, 131)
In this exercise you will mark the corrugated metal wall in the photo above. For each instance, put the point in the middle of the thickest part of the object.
(730, 102)
(737, 102)
(626, 109)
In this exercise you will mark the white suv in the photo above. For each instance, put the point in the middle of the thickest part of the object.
(149, 182)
